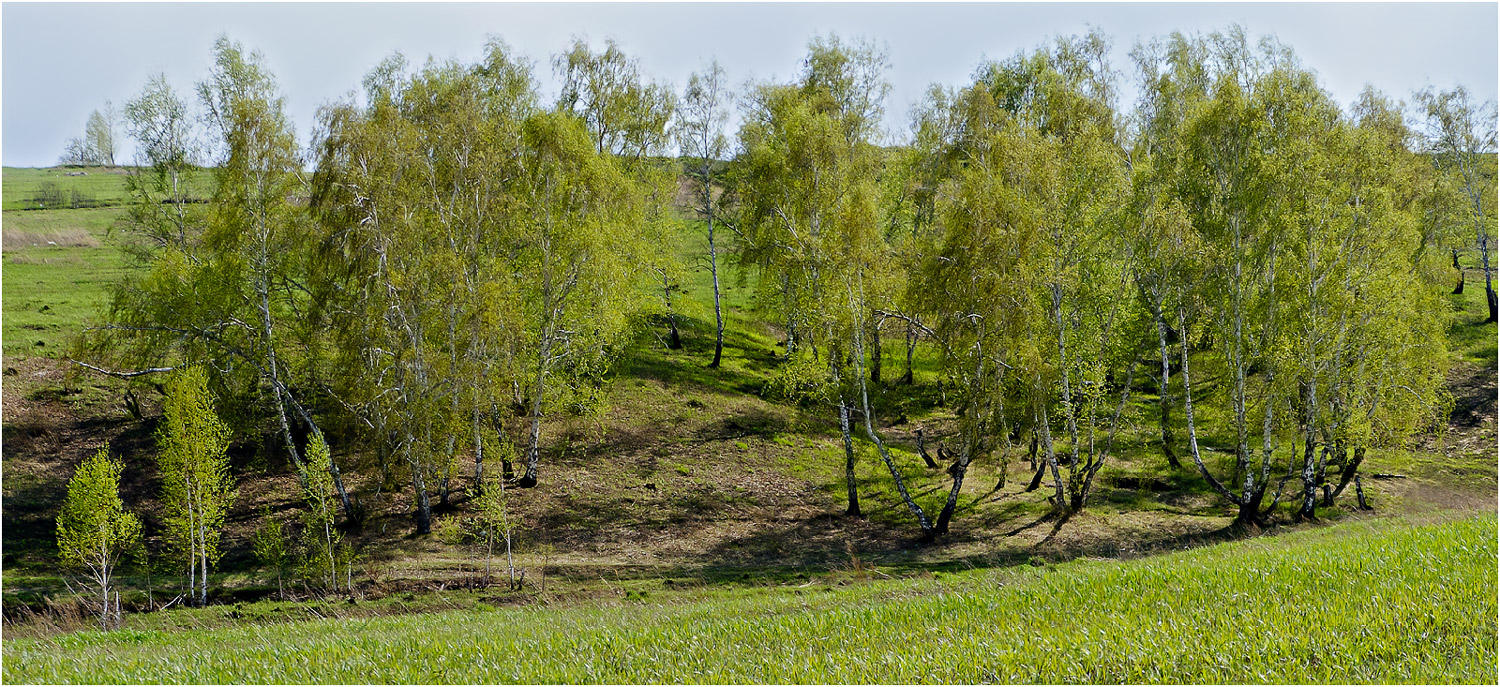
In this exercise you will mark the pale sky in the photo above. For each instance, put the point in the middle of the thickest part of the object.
(60, 61)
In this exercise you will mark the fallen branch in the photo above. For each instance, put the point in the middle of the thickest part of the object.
(122, 375)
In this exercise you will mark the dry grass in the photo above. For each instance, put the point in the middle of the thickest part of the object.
(64, 238)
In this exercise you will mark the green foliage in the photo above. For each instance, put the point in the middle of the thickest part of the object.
(271, 543)
(197, 487)
(322, 547)
(1025, 280)
(491, 277)
(94, 531)
(1384, 601)
(450, 530)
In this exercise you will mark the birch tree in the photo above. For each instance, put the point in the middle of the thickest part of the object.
(95, 532)
(1031, 252)
(700, 138)
(226, 285)
(197, 488)
(1460, 135)
(810, 220)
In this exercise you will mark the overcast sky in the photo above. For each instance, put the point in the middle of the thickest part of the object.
(62, 60)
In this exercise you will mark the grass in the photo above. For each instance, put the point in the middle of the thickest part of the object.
(37, 188)
(24, 188)
(1370, 601)
(52, 291)
(1471, 339)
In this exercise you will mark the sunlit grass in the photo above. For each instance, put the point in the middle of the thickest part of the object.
(1373, 601)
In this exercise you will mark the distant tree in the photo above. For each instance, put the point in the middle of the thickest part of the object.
(700, 125)
(95, 532)
(97, 145)
(100, 134)
(76, 152)
(197, 488)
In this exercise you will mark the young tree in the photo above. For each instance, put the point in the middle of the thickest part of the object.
(492, 525)
(94, 531)
(197, 488)
(322, 544)
(272, 548)
(700, 138)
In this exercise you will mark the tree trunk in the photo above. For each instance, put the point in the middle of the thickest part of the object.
(1489, 295)
(1309, 470)
(533, 450)
(1460, 288)
(674, 339)
(885, 456)
(104, 604)
(849, 479)
(922, 449)
(1163, 390)
(1349, 473)
(1249, 515)
(713, 269)
(911, 344)
(1051, 461)
(203, 563)
(1192, 427)
(478, 454)
(424, 507)
(875, 353)
(960, 469)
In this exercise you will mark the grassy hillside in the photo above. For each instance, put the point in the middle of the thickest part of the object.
(52, 188)
(59, 266)
(1382, 601)
(698, 479)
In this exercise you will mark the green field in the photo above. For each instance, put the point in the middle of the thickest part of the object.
(46, 188)
(59, 266)
(1380, 601)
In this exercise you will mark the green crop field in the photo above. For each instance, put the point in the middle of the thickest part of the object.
(1376, 601)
